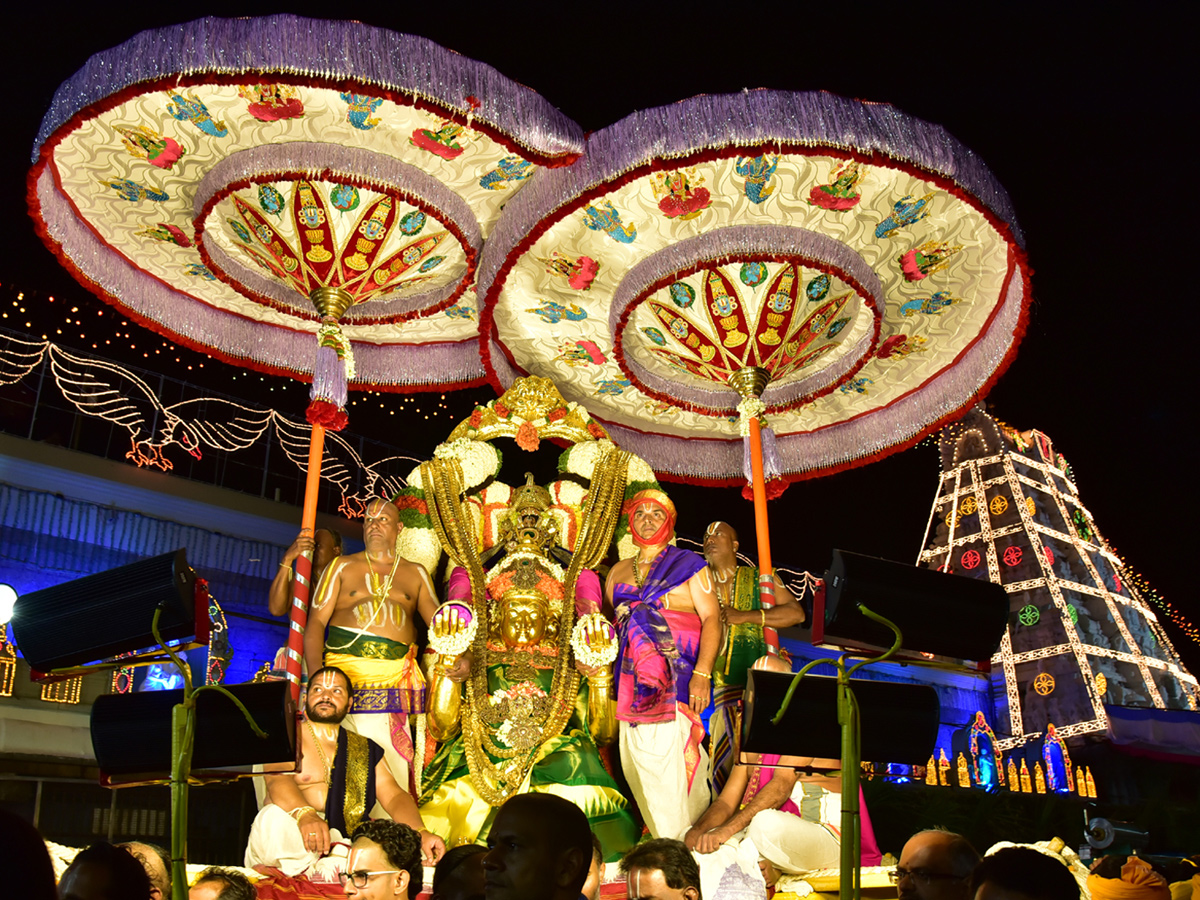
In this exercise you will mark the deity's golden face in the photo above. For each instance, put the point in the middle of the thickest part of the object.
(523, 620)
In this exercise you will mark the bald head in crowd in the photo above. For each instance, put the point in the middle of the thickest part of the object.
(539, 848)
(936, 865)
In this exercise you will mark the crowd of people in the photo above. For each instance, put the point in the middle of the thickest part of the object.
(541, 848)
(717, 823)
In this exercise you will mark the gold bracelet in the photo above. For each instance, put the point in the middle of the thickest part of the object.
(300, 811)
(764, 617)
(702, 674)
(285, 565)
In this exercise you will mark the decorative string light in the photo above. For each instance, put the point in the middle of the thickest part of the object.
(977, 484)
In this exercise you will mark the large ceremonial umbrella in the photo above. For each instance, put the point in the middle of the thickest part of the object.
(857, 269)
(242, 186)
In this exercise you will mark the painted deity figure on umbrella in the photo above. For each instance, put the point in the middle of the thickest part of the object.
(369, 600)
(669, 629)
(742, 638)
(528, 722)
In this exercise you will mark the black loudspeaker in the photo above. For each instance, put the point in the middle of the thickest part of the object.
(948, 615)
(131, 733)
(898, 722)
(102, 615)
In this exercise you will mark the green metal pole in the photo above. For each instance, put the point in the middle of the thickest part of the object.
(851, 852)
(181, 764)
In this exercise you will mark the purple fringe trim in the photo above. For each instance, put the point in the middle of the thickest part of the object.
(734, 242)
(770, 452)
(419, 365)
(745, 119)
(318, 48)
(352, 162)
(329, 378)
(772, 467)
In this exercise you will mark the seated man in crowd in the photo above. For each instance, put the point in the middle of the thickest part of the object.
(459, 874)
(935, 865)
(661, 869)
(772, 817)
(385, 862)
(216, 883)
(341, 776)
(539, 848)
(1022, 873)
(104, 872)
(157, 863)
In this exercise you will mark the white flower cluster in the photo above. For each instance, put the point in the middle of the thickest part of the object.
(638, 470)
(479, 460)
(458, 643)
(750, 408)
(594, 657)
(422, 546)
(582, 458)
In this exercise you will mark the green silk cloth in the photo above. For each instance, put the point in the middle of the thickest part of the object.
(743, 643)
(567, 765)
(368, 646)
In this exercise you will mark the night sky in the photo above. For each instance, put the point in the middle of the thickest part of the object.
(1082, 118)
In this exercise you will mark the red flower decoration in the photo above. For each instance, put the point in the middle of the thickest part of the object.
(322, 412)
(556, 414)
(501, 410)
(1012, 556)
(970, 559)
(596, 431)
(1049, 555)
(476, 418)
(527, 437)
(774, 488)
(411, 502)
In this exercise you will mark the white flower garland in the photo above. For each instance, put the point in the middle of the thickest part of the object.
(582, 457)
(584, 653)
(453, 644)
(479, 460)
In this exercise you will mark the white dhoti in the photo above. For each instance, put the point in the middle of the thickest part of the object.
(792, 844)
(731, 871)
(275, 841)
(670, 789)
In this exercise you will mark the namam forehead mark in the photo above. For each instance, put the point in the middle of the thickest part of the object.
(327, 680)
(377, 507)
(712, 529)
(649, 507)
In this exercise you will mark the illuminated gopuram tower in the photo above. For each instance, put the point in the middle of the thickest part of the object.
(1079, 635)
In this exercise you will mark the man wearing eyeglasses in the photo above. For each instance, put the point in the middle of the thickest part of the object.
(935, 865)
(385, 862)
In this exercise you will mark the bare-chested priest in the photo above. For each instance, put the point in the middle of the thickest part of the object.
(369, 600)
(342, 775)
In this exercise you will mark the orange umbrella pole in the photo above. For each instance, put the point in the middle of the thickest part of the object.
(301, 589)
(766, 574)
(751, 382)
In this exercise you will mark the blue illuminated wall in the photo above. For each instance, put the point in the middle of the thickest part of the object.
(47, 540)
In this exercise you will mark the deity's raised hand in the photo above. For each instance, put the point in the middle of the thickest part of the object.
(451, 633)
(594, 641)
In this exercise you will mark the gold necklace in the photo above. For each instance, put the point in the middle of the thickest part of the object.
(638, 578)
(321, 753)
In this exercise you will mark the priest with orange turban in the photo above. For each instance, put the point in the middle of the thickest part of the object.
(669, 630)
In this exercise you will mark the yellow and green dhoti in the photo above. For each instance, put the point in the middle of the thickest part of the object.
(743, 644)
(388, 688)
